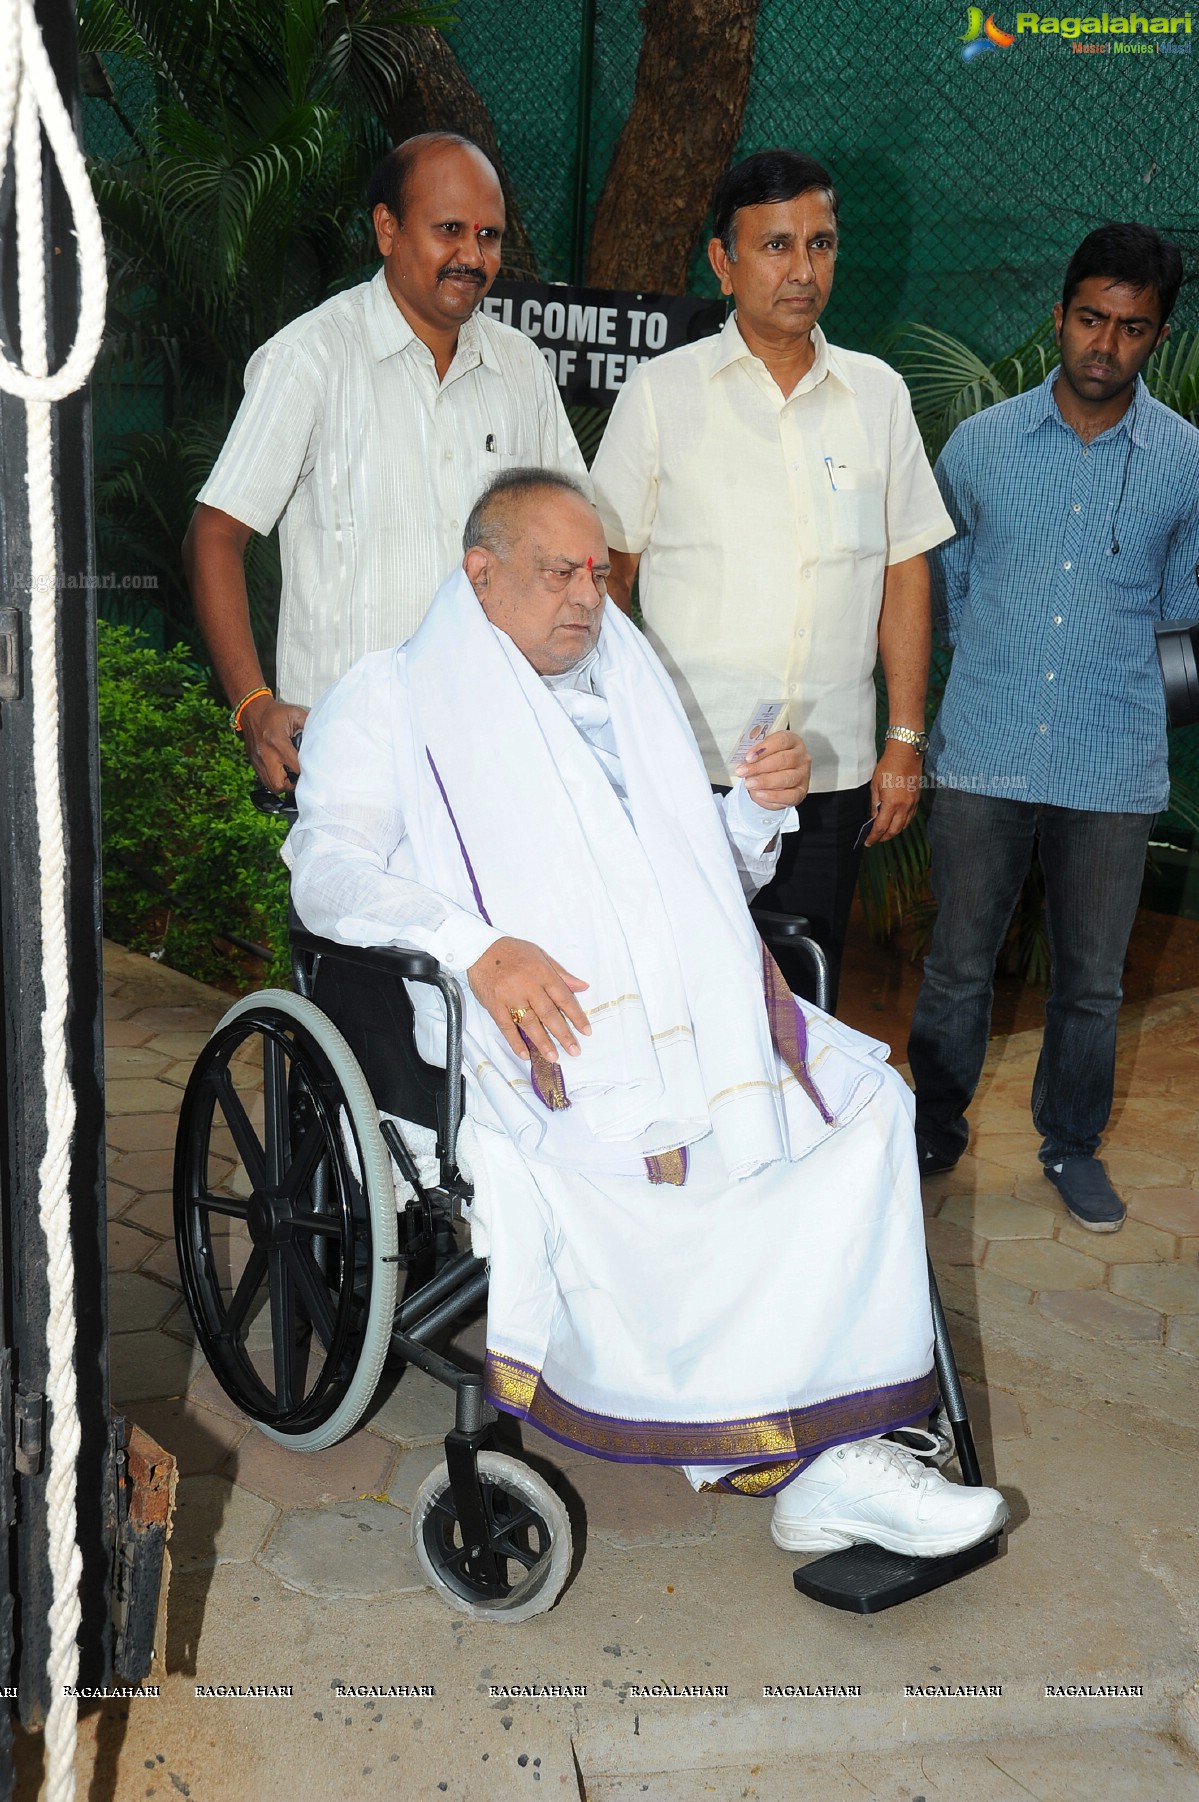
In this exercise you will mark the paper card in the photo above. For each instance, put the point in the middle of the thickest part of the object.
(767, 717)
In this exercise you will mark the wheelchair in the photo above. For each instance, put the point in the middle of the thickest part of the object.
(292, 1231)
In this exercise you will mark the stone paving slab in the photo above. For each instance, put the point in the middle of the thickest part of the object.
(357, 1550)
(127, 1246)
(200, 1439)
(137, 1302)
(997, 1217)
(145, 1366)
(411, 1469)
(217, 1523)
(360, 1464)
(1101, 1316)
(411, 1410)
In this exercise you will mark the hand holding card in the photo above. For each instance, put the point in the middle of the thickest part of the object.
(766, 718)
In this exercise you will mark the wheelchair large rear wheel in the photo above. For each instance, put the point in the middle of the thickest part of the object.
(285, 1220)
(529, 1532)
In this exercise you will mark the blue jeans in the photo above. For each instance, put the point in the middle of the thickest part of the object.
(1093, 864)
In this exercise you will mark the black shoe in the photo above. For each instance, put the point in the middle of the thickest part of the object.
(1083, 1185)
(933, 1159)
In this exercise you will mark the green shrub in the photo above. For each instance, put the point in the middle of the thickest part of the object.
(187, 857)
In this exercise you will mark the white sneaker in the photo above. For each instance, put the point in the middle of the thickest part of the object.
(875, 1491)
(933, 1444)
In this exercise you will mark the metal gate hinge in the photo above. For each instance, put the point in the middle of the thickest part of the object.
(29, 1419)
(10, 654)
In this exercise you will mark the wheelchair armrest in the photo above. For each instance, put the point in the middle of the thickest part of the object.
(389, 960)
(412, 966)
(782, 926)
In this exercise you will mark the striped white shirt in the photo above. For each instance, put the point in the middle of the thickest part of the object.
(370, 466)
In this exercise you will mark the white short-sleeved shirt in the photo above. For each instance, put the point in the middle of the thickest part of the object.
(765, 523)
(371, 466)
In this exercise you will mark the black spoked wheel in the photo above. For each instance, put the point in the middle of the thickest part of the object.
(528, 1530)
(285, 1220)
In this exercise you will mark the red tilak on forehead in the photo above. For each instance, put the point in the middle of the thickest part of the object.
(476, 227)
(590, 561)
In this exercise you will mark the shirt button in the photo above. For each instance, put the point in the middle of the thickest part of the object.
(807, 575)
(1057, 619)
(803, 519)
(1077, 507)
(801, 631)
(1049, 675)
(1066, 564)
(449, 456)
(1042, 727)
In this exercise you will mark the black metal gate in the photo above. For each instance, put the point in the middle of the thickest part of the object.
(24, 1569)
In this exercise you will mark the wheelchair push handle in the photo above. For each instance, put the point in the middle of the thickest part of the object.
(281, 803)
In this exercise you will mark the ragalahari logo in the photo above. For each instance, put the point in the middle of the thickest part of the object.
(983, 34)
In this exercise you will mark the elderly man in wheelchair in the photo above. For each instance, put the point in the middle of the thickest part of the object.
(693, 1201)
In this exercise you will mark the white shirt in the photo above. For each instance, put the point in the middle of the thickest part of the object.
(354, 876)
(764, 523)
(371, 466)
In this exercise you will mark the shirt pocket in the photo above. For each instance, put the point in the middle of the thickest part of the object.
(1135, 570)
(858, 509)
(507, 447)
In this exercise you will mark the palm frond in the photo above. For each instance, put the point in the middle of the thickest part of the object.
(1173, 374)
(950, 382)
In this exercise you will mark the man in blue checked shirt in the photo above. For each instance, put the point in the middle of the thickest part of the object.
(1077, 515)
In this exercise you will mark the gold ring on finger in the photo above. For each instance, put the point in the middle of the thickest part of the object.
(517, 1014)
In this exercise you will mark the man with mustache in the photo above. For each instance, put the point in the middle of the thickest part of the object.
(773, 496)
(1077, 514)
(368, 429)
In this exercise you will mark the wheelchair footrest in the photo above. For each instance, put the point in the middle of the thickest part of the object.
(865, 1579)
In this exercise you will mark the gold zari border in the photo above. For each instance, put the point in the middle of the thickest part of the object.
(768, 1439)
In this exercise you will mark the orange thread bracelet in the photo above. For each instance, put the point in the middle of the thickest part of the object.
(235, 716)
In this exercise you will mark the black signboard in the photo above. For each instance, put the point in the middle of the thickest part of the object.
(592, 337)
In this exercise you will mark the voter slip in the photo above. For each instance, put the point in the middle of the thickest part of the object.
(767, 717)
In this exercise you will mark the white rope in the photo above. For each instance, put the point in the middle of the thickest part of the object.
(30, 102)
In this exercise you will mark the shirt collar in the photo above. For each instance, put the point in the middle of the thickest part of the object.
(732, 348)
(390, 333)
(1135, 420)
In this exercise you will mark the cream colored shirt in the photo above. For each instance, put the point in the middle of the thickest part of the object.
(764, 524)
(371, 465)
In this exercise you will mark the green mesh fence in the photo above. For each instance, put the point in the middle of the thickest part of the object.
(965, 179)
(965, 184)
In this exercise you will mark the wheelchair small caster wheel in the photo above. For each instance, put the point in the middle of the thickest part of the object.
(529, 1534)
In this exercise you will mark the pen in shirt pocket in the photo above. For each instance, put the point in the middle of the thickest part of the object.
(828, 464)
(489, 443)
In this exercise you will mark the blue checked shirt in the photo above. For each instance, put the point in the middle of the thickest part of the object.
(1055, 694)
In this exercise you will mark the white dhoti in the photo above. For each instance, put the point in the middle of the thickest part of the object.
(704, 1230)
(719, 1326)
